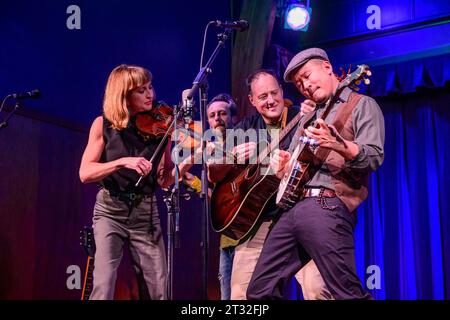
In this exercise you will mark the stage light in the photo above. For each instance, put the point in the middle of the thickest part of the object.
(297, 17)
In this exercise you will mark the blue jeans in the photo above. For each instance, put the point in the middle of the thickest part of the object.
(225, 266)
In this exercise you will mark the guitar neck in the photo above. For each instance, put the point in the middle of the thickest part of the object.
(88, 279)
(363, 70)
(332, 101)
(283, 134)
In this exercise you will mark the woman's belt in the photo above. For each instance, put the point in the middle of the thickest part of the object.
(130, 198)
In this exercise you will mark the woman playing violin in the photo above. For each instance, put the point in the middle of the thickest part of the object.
(116, 156)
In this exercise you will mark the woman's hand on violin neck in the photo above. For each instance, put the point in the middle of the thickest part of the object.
(139, 164)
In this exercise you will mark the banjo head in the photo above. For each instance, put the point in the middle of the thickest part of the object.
(286, 181)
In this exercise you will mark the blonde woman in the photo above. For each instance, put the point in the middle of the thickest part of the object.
(116, 157)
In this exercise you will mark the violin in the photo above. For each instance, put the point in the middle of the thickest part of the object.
(158, 123)
(155, 123)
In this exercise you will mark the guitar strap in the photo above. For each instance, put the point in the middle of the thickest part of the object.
(339, 121)
(284, 118)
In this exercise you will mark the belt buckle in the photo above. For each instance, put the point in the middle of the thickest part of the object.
(132, 196)
(307, 193)
(311, 192)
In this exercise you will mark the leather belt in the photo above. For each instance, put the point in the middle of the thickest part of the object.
(130, 198)
(317, 192)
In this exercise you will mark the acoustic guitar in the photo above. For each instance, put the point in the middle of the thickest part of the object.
(240, 198)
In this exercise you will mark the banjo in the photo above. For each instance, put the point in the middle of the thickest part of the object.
(306, 157)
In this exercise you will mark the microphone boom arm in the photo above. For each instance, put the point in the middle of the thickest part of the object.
(200, 79)
(4, 123)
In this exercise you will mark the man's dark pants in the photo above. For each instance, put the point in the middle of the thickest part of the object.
(309, 230)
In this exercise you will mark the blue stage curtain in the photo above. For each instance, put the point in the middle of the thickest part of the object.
(404, 226)
(407, 76)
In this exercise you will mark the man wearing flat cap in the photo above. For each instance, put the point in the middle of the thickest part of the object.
(350, 145)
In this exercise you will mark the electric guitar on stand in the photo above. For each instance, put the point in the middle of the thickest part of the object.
(88, 243)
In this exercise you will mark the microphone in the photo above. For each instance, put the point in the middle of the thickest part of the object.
(186, 108)
(33, 94)
(240, 25)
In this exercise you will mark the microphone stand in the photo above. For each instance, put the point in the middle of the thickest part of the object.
(201, 83)
(4, 124)
(172, 201)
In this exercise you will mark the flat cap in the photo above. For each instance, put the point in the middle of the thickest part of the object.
(301, 58)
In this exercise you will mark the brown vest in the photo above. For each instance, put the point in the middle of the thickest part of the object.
(350, 186)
